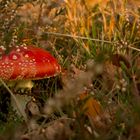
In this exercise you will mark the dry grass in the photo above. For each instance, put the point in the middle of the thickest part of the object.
(97, 44)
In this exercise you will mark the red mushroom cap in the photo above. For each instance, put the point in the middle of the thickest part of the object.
(28, 63)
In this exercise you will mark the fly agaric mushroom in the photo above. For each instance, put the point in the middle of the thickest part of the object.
(27, 63)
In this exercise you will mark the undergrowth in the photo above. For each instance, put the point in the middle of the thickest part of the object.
(97, 94)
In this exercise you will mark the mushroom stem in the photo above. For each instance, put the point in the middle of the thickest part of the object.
(14, 98)
(20, 84)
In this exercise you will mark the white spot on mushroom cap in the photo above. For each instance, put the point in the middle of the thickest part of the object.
(31, 61)
(56, 67)
(14, 57)
(26, 55)
(25, 48)
(26, 61)
(18, 50)
(6, 62)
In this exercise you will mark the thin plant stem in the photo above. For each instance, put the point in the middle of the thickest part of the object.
(87, 38)
(79, 37)
(14, 98)
(133, 48)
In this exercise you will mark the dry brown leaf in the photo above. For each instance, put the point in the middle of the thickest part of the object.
(92, 106)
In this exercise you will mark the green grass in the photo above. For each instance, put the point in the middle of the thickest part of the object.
(99, 52)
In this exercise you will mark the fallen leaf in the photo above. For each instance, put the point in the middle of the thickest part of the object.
(92, 107)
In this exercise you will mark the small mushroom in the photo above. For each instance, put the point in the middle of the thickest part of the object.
(27, 63)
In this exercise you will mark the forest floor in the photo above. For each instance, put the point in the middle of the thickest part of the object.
(97, 94)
